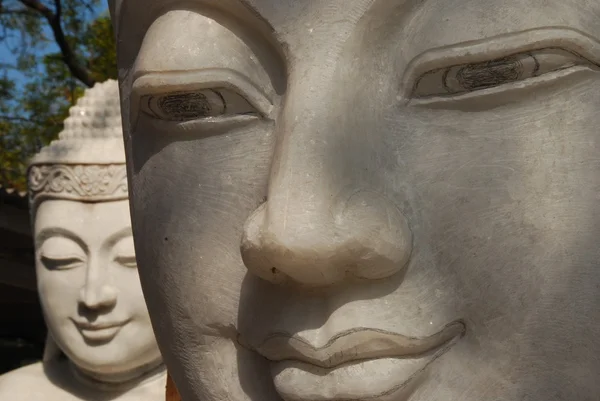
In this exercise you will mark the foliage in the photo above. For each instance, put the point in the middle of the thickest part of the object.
(59, 48)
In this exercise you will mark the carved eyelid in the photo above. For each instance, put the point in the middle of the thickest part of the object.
(62, 262)
(61, 258)
(480, 51)
(124, 259)
(163, 83)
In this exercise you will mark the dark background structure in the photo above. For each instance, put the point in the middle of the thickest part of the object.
(22, 329)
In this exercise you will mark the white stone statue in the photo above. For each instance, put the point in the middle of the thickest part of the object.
(382, 200)
(100, 345)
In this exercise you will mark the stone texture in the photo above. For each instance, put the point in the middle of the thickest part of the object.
(367, 199)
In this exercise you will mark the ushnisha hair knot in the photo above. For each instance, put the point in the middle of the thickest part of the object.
(87, 161)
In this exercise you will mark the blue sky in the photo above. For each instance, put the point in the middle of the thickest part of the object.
(6, 55)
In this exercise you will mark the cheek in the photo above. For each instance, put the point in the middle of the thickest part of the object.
(130, 297)
(59, 291)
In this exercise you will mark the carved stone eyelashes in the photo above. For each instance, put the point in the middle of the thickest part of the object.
(183, 106)
(471, 77)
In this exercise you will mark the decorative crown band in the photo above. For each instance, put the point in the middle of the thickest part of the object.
(81, 182)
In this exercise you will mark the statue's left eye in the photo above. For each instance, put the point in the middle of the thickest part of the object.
(196, 105)
(126, 261)
(461, 79)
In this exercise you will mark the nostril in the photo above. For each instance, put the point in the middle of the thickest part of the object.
(278, 277)
(253, 250)
(379, 232)
(363, 236)
(98, 297)
(90, 300)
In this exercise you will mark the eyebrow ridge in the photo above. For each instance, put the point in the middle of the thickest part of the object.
(118, 235)
(53, 231)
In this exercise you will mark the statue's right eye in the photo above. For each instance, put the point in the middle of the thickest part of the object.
(196, 105)
(61, 263)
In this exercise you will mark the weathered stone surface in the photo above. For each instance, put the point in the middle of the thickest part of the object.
(367, 199)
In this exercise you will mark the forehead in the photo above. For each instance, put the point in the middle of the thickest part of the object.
(421, 24)
(81, 216)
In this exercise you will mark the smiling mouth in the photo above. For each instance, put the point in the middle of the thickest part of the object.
(99, 332)
(356, 364)
(357, 344)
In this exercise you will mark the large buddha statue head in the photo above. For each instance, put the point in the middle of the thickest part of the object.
(85, 261)
(367, 199)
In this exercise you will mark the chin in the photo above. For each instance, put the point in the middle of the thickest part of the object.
(104, 359)
(108, 358)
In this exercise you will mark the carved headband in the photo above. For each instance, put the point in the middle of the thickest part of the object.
(80, 182)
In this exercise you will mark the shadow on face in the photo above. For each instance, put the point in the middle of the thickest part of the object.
(427, 165)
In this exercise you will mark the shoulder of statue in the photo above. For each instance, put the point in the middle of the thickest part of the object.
(27, 383)
(26, 373)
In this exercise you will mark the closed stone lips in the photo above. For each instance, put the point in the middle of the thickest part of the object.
(355, 345)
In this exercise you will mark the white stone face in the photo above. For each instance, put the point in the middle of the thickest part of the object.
(409, 211)
(100, 345)
(89, 286)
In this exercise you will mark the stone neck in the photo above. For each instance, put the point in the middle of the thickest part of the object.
(119, 381)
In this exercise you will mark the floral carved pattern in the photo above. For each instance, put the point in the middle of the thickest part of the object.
(79, 182)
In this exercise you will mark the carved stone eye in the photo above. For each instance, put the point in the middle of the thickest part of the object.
(464, 78)
(61, 263)
(489, 73)
(196, 105)
(126, 261)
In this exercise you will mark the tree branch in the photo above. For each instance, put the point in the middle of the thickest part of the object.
(58, 6)
(38, 7)
(21, 11)
(53, 18)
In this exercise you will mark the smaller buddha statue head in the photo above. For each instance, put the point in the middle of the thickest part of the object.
(85, 261)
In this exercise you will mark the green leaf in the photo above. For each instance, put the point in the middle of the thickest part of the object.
(33, 108)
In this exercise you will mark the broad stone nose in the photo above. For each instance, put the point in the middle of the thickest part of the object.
(321, 224)
(95, 296)
(359, 237)
(96, 292)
